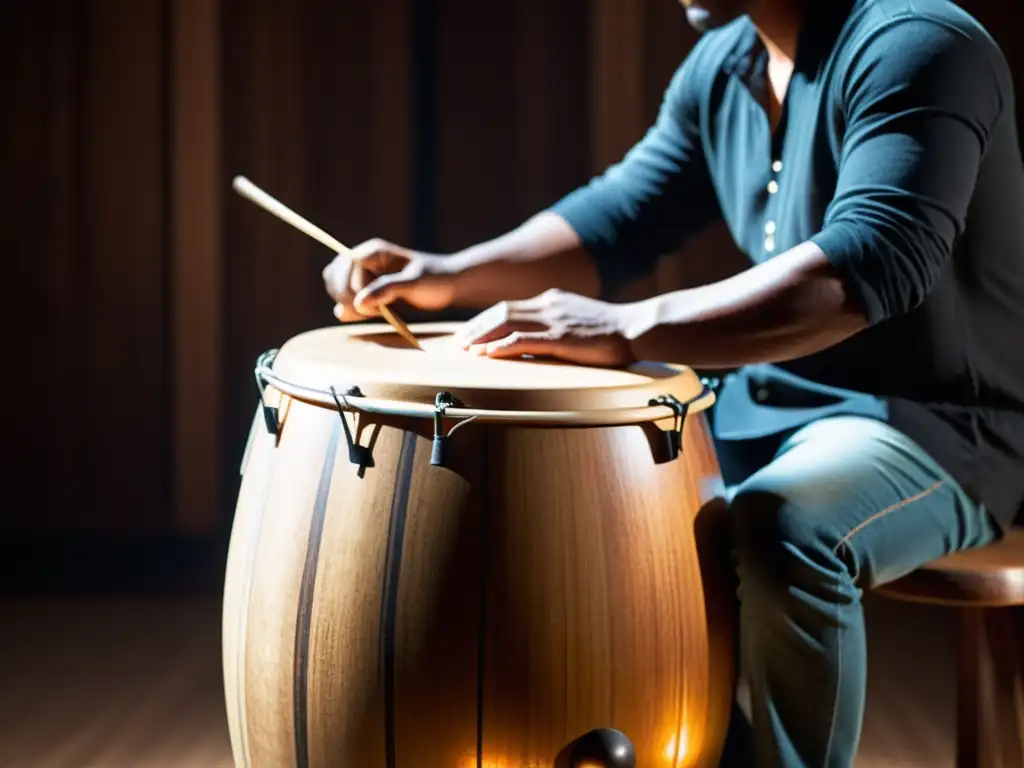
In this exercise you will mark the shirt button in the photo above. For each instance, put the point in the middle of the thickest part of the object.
(769, 243)
(773, 187)
(769, 228)
(777, 166)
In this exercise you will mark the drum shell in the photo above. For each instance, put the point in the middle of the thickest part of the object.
(543, 582)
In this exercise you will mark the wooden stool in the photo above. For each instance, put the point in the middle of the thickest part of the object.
(986, 586)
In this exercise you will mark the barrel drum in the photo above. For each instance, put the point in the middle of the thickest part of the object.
(444, 561)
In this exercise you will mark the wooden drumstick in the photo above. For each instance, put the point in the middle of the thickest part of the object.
(250, 191)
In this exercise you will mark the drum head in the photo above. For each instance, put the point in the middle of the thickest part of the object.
(374, 358)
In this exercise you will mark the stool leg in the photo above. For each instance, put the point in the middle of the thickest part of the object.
(990, 701)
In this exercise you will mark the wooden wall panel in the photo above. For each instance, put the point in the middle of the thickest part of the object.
(549, 112)
(618, 79)
(392, 124)
(123, 210)
(36, 139)
(476, 122)
(1002, 19)
(196, 333)
(58, 477)
(87, 133)
(512, 126)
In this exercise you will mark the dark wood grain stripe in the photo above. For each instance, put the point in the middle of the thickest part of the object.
(389, 599)
(425, 121)
(305, 616)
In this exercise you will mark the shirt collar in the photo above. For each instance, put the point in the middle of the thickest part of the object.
(749, 59)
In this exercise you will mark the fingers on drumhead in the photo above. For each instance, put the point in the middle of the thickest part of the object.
(502, 319)
(539, 339)
(518, 343)
(486, 322)
(507, 333)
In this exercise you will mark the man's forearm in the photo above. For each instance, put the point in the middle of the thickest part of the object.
(544, 252)
(788, 307)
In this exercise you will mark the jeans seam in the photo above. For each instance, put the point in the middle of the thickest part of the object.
(886, 512)
(839, 578)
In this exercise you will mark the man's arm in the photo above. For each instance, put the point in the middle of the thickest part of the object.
(658, 196)
(787, 307)
(543, 253)
(921, 100)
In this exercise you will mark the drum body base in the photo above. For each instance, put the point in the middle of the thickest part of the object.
(542, 584)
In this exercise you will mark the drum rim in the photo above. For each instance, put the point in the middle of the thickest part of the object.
(301, 371)
(352, 400)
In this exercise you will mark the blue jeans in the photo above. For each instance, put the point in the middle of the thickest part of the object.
(845, 504)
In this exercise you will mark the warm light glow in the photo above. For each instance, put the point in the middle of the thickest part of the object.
(675, 750)
(675, 754)
(470, 762)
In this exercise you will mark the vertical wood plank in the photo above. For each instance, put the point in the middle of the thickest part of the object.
(533, 31)
(389, 186)
(549, 110)
(476, 108)
(513, 128)
(196, 263)
(618, 86)
(32, 138)
(62, 266)
(123, 208)
(339, 136)
(617, 79)
(359, 130)
(668, 39)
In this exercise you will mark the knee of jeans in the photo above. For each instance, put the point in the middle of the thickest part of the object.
(781, 541)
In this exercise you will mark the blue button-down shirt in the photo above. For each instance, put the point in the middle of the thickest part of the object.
(897, 154)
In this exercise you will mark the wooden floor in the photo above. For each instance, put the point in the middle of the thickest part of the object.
(134, 683)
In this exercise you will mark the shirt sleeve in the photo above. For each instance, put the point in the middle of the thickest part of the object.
(920, 100)
(647, 204)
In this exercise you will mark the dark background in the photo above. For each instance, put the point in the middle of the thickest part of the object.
(140, 289)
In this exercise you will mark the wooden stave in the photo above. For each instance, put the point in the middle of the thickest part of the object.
(263, 735)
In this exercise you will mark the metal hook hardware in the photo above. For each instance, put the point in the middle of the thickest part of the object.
(358, 454)
(442, 402)
(270, 412)
(674, 436)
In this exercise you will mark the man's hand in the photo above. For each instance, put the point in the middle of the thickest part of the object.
(554, 324)
(378, 272)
